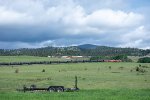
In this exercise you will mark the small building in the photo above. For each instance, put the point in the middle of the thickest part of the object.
(71, 57)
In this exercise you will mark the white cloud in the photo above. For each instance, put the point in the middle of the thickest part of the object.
(138, 33)
(140, 37)
(13, 17)
(111, 18)
(74, 15)
(44, 21)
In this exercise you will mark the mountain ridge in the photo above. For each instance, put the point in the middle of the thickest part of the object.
(80, 50)
(87, 46)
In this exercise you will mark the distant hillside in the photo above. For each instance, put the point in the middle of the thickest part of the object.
(87, 46)
(81, 50)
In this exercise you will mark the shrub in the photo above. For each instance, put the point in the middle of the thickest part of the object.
(121, 68)
(144, 60)
(43, 70)
(124, 58)
(17, 71)
(85, 68)
(138, 69)
(109, 67)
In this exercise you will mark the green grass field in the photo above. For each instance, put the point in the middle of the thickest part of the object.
(27, 59)
(102, 94)
(96, 81)
(33, 59)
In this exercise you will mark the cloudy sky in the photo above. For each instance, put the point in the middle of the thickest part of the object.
(39, 23)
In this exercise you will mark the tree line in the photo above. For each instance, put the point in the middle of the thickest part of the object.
(74, 51)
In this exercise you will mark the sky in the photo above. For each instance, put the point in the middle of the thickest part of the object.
(41, 23)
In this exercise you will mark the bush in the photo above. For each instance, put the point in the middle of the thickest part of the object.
(85, 68)
(17, 71)
(144, 60)
(141, 70)
(100, 57)
(109, 67)
(43, 70)
(124, 58)
(137, 69)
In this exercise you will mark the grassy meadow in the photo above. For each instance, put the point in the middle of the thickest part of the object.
(97, 81)
(34, 59)
(27, 59)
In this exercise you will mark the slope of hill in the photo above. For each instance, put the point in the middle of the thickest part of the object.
(81, 50)
(87, 46)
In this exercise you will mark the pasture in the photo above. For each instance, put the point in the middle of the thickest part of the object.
(106, 81)
(8, 59)
(27, 59)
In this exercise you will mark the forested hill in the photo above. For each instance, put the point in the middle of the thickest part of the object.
(82, 50)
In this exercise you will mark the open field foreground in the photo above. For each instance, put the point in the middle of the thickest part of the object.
(103, 94)
(97, 81)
